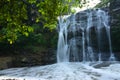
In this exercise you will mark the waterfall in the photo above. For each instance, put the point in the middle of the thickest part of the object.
(62, 50)
(103, 19)
(88, 35)
(98, 28)
(81, 37)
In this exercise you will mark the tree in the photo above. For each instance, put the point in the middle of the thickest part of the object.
(13, 14)
(18, 16)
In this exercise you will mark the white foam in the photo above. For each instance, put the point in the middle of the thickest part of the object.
(63, 71)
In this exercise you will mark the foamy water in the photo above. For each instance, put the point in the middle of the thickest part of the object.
(63, 71)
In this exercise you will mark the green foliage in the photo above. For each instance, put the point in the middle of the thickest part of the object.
(11, 20)
(18, 16)
(51, 9)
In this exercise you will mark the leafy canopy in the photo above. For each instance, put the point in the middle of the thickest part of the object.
(18, 16)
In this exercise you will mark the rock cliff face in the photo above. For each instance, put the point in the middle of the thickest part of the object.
(114, 12)
(34, 59)
(43, 57)
(5, 62)
(115, 26)
(93, 23)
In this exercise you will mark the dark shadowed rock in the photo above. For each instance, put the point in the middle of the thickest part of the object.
(115, 27)
(102, 64)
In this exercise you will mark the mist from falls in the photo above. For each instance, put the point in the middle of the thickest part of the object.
(84, 36)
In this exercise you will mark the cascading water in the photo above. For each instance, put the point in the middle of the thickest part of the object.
(72, 41)
(88, 36)
(103, 21)
(62, 55)
(76, 40)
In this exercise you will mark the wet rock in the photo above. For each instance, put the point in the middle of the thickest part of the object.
(35, 59)
(5, 62)
(102, 64)
(115, 26)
